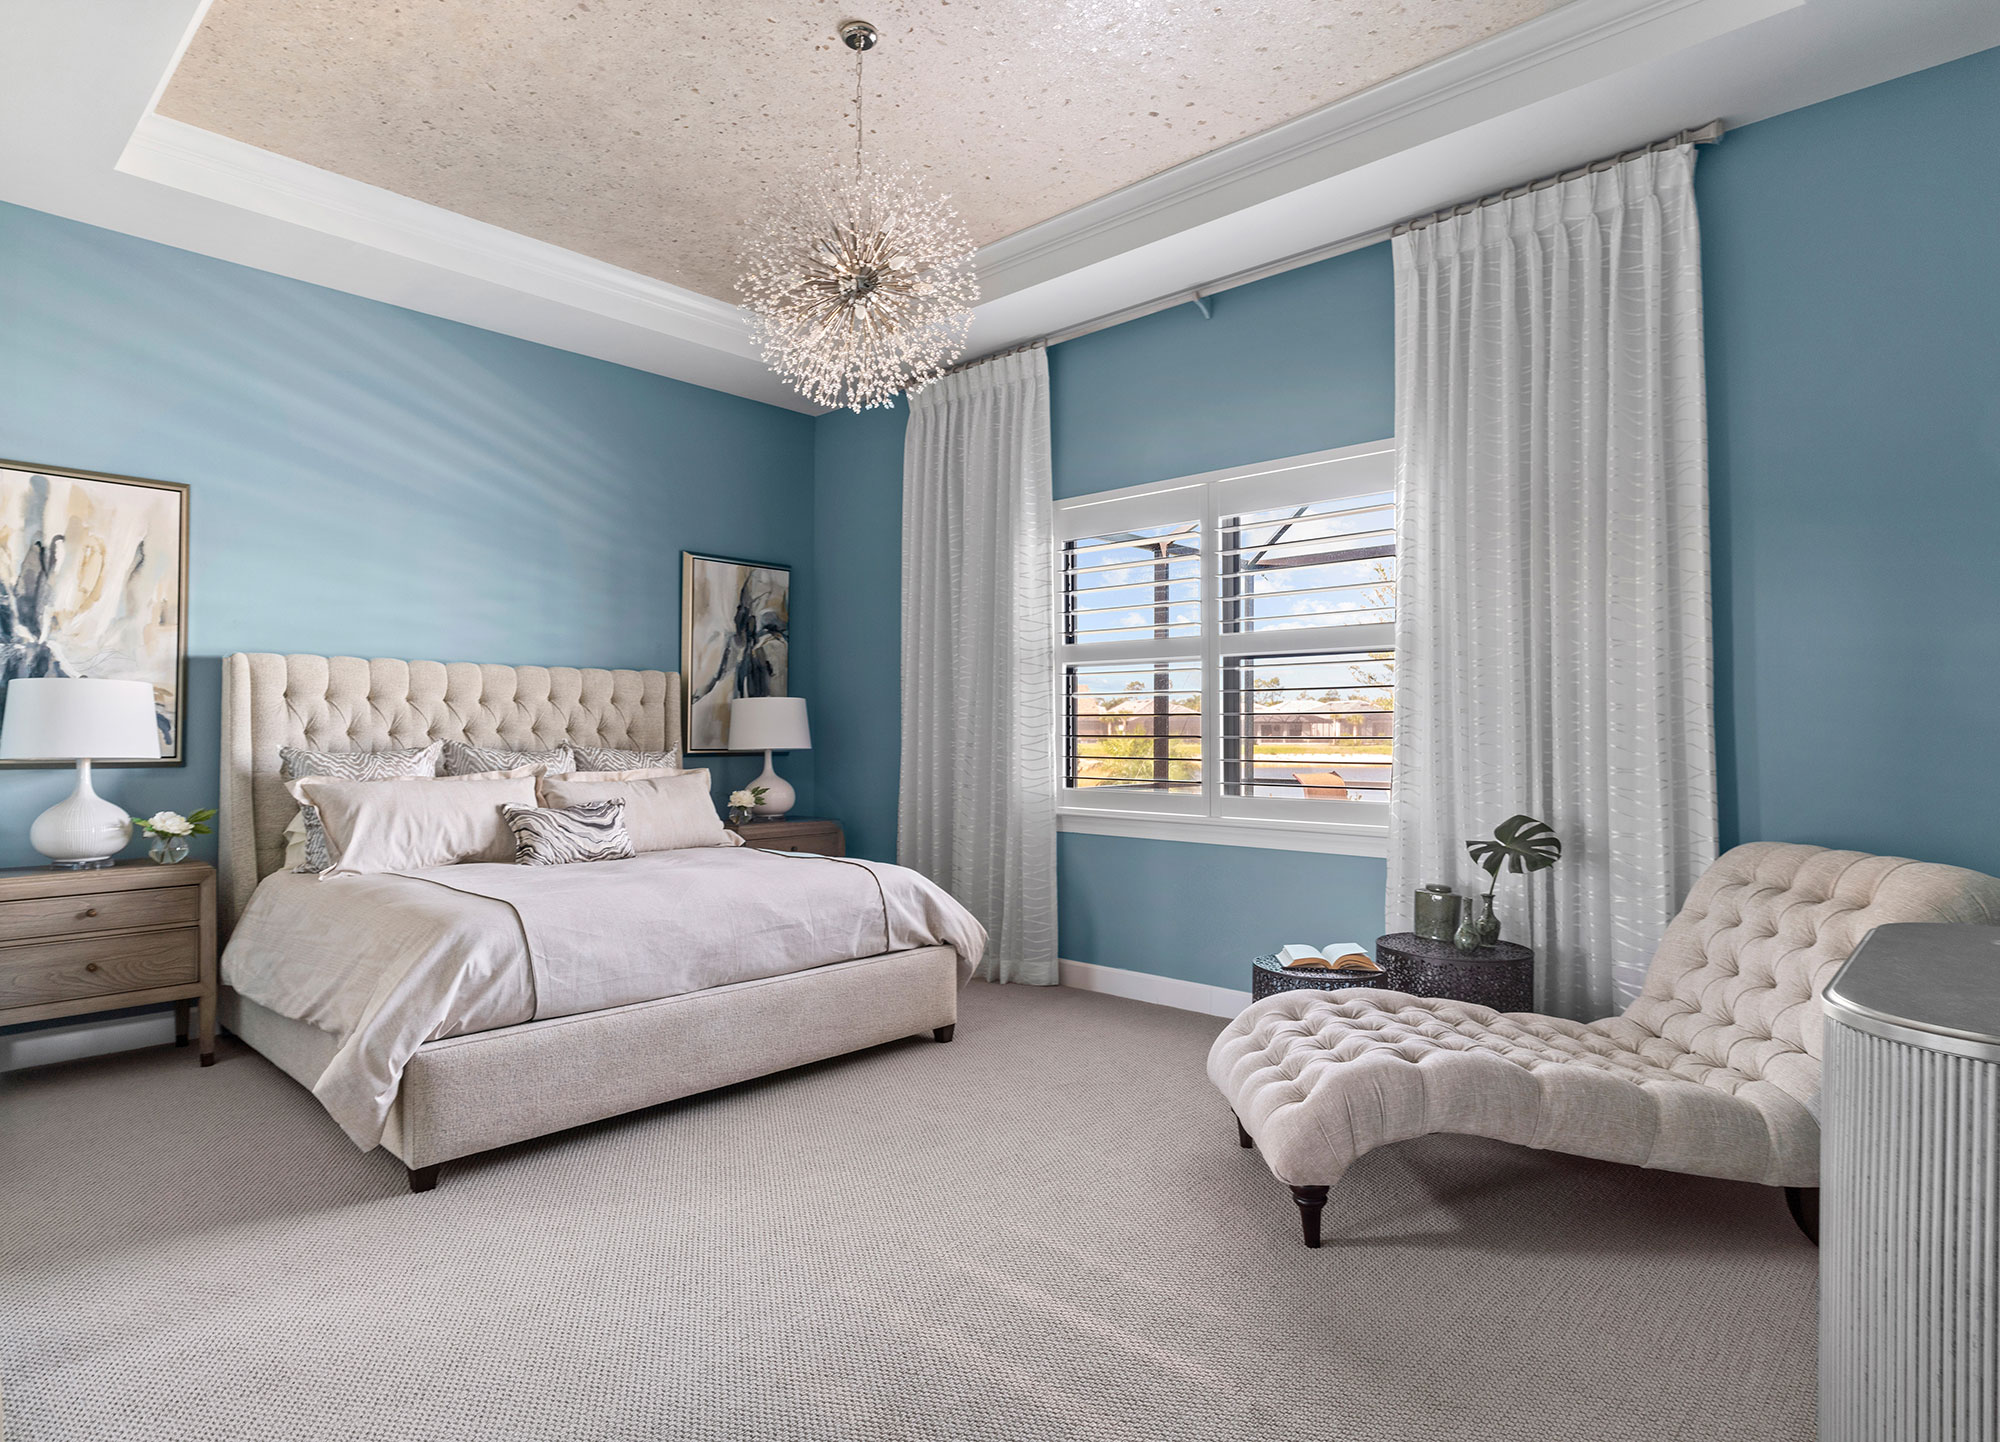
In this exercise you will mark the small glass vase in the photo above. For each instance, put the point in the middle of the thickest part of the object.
(740, 814)
(1479, 927)
(167, 850)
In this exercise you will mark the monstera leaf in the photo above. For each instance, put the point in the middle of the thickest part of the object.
(1520, 843)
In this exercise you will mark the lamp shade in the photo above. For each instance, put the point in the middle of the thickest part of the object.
(71, 718)
(768, 723)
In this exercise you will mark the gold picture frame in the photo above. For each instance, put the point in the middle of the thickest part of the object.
(94, 583)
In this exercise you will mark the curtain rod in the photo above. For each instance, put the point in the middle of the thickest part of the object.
(1702, 135)
(992, 355)
(1198, 295)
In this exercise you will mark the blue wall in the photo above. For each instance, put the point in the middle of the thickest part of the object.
(1853, 322)
(857, 557)
(371, 481)
(1852, 287)
(1300, 362)
(1304, 361)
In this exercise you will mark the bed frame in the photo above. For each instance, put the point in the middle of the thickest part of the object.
(468, 1094)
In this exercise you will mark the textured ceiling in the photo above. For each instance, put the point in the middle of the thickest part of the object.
(647, 132)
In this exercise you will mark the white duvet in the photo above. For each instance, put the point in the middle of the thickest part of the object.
(386, 963)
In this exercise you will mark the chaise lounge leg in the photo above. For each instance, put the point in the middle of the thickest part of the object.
(422, 1179)
(1311, 1200)
(945, 1033)
(1803, 1204)
(1242, 1137)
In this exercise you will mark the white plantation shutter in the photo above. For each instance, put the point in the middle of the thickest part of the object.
(1228, 643)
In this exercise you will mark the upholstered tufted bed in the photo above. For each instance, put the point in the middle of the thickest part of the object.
(458, 1094)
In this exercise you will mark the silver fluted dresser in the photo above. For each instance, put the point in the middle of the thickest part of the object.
(1910, 1197)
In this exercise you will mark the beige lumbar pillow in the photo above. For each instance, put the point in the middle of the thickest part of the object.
(416, 823)
(662, 813)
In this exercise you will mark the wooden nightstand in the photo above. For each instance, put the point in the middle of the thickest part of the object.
(74, 942)
(794, 833)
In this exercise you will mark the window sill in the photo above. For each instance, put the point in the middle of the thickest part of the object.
(1330, 838)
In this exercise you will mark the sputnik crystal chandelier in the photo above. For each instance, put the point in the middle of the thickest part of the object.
(860, 285)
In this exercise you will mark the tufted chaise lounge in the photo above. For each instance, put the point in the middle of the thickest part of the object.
(1714, 1069)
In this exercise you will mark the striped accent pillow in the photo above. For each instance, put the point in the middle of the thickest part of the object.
(295, 764)
(607, 758)
(546, 836)
(464, 759)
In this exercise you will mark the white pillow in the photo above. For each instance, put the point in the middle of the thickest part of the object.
(662, 813)
(411, 824)
(298, 831)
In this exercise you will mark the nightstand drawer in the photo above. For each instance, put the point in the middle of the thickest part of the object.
(49, 971)
(99, 911)
(823, 838)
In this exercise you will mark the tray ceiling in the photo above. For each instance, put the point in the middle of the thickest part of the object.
(644, 134)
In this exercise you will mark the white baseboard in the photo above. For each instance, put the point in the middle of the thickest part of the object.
(1160, 990)
(85, 1038)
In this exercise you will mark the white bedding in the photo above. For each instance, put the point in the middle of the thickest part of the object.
(386, 963)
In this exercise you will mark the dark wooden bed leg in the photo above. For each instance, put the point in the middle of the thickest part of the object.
(1242, 1137)
(1310, 1200)
(181, 1023)
(945, 1033)
(1803, 1204)
(422, 1179)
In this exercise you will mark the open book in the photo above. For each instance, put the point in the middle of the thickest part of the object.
(1334, 956)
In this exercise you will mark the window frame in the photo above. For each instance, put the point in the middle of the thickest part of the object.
(1358, 828)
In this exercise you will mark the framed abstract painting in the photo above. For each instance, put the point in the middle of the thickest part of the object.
(736, 624)
(93, 583)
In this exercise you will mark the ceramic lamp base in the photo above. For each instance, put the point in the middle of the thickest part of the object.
(778, 794)
(83, 830)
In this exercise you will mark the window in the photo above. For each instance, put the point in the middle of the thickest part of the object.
(1228, 654)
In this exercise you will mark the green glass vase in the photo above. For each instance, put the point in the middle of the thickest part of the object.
(1479, 927)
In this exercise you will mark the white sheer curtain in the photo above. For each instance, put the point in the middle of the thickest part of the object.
(1552, 640)
(977, 812)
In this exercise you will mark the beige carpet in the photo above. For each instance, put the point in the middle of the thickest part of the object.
(1043, 1230)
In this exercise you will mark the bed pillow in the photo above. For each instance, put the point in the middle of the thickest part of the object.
(607, 758)
(308, 852)
(662, 813)
(412, 824)
(563, 836)
(464, 759)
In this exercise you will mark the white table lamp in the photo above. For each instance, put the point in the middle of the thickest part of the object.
(767, 724)
(65, 718)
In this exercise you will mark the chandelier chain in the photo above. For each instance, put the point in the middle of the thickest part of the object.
(859, 57)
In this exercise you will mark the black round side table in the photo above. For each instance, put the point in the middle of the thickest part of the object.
(1501, 976)
(1268, 978)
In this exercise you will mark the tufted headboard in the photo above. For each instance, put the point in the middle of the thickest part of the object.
(343, 703)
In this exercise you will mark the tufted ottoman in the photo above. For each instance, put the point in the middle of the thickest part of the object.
(1714, 1069)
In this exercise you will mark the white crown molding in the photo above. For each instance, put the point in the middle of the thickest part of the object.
(79, 138)
(1577, 42)
(1587, 80)
(201, 162)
